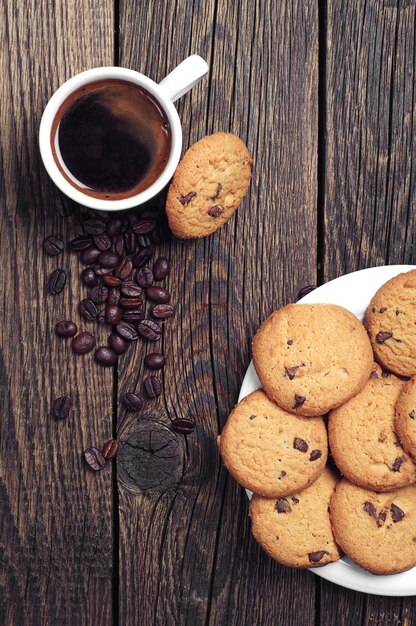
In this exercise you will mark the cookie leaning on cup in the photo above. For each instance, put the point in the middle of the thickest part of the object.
(311, 358)
(270, 451)
(209, 184)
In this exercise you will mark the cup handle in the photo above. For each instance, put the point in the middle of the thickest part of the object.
(184, 76)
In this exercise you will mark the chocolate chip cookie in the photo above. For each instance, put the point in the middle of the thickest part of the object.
(296, 530)
(405, 417)
(390, 320)
(209, 184)
(363, 442)
(376, 530)
(270, 451)
(311, 358)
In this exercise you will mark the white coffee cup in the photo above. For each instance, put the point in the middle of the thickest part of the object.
(175, 85)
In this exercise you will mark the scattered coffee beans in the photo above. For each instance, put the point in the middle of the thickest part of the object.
(162, 311)
(117, 343)
(88, 310)
(110, 449)
(57, 281)
(83, 343)
(154, 361)
(61, 407)
(161, 268)
(152, 386)
(183, 425)
(53, 246)
(132, 401)
(105, 356)
(148, 329)
(158, 295)
(89, 277)
(66, 328)
(95, 459)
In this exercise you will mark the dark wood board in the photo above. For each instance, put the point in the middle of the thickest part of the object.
(56, 518)
(186, 554)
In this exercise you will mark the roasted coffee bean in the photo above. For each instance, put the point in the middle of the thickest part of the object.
(162, 311)
(53, 246)
(154, 361)
(110, 449)
(130, 242)
(105, 356)
(98, 294)
(61, 407)
(152, 386)
(57, 281)
(142, 257)
(111, 281)
(158, 295)
(90, 255)
(95, 459)
(124, 268)
(94, 225)
(133, 315)
(66, 328)
(144, 241)
(89, 277)
(161, 268)
(305, 290)
(113, 315)
(83, 343)
(102, 271)
(148, 329)
(183, 425)
(132, 401)
(96, 214)
(88, 310)
(118, 245)
(113, 296)
(131, 289)
(131, 303)
(101, 316)
(144, 277)
(127, 331)
(114, 226)
(144, 226)
(117, 343)
(102, 242)
(108, 259)
(80, 243)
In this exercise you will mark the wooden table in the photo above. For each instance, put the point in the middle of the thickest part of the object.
(324, 95)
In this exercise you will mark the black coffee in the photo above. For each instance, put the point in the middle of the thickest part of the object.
(113, 138)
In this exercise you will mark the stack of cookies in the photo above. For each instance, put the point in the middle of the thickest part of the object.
(332, 383)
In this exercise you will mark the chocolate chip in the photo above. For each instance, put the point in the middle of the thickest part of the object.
(315, 455)
(300, 444)
(373, 375)
(382, 438)
(370, 508)
(382, 336)
(385, 373)
(215, 211)
(398, 461)
(299, 400)
(412, 415)
(396, 513)
(218, 191)
(252, 417)
(381, 517)
(184, 200)
(397, 311)
(295, 499)
(282, 506)
(289, 342)
(373, 309)
(383, 309)
(290, 372)
(315, 557)
(282, 475)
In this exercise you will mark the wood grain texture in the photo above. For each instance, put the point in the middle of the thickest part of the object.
(56, 524)
(369, 185)
(186, 554)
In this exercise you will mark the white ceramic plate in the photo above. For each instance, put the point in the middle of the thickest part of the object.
(354, 292)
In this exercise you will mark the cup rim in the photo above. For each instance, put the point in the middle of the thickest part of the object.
(89, 76)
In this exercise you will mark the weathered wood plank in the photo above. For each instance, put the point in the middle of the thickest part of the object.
(370, 183)
(56, 524)
(186, 555)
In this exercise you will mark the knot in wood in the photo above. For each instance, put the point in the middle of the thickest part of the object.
(152, 458)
